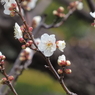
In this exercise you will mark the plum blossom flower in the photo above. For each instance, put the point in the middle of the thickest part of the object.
(17, 32)
(31, 4)
(61, 45)
(28, 50)
(79, 5)
(47, 44)
(36, 21)
(4, 1)
(0, 53)
(9, 5)
(92, 14)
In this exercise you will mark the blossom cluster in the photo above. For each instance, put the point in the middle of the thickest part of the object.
(9, 6)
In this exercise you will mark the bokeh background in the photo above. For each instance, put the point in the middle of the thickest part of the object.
(80, 50)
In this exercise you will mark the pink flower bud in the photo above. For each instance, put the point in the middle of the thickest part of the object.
(23, 46)
(55, 12)
(30, 29)
(21, 40)
(68, 71)
(60, 9)
(11, 78)
(68, 63)
(62, 63)
(13, 5)
(3, 80)
(60, 71)
(3, 57)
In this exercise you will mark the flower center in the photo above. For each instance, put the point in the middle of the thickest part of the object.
(49, 44)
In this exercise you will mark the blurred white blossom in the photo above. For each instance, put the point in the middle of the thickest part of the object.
(47, 44)
(92, 14)
(31, 4)
(17, 32)
(61, 45)
(0, 53)
(7, 5)
(36, 21)
(79, 5)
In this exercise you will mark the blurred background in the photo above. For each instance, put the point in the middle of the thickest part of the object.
(80, 50)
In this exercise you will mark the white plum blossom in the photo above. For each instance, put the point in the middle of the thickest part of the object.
(4, 1)
(0, 53)
(61, 45)
(79, 5)
(61, 58)
(47, 44)
(8, 5)
(17, 32)
(92, 14)
(28, 50)
(36, 21)
(31, 4)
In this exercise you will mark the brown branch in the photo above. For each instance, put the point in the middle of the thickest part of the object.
(83, 14)
(52, 69)
(54, 25)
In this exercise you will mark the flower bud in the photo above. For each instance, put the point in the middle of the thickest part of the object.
(30, 42)
(2, 62)
(79, 5)
(23, 46)
(3, 80)
(68, 63)
(60, 9)
(30, 29)
(11, 78)
(60, 71)
(3, 57)
(13, 5)
(22, 58)
(36, 21)
(62, 63)
(12, 14)
(68, 71)
(21, 40)
(55, 12)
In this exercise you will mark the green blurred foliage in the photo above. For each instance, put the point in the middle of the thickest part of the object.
(73, 27)
(33, 82)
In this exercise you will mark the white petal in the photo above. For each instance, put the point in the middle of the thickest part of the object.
(45, 38)
(48, 53)
(92, 14)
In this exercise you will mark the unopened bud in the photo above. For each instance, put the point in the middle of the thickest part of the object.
(13, 5)
(30, 42)
(60, 9)
(3, 80)
(12, 14)
(2, 62)
(11, 78)
(62, 63)
(68, 71)
(55, 12)
(60, 71)
(68, 63)
(22, 58)
(30, 29)
(3, 57)
(61, 15)
(23, 46)
(27, 44)
(21, 40)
